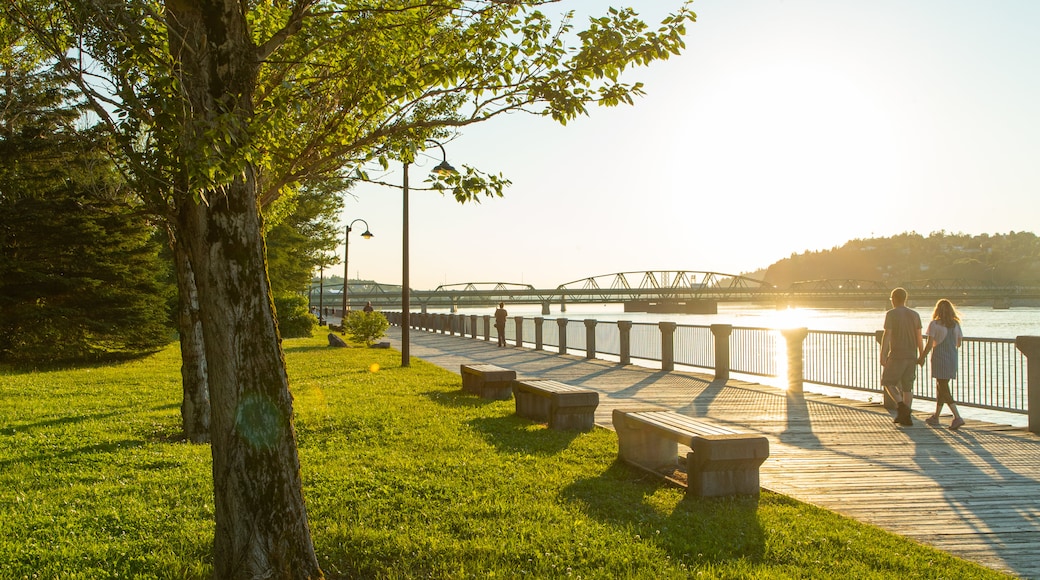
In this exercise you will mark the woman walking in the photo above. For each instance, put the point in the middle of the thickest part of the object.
(944, 338)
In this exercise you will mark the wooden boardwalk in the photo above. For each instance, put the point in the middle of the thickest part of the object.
(974, 493)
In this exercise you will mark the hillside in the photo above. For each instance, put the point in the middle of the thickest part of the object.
(1000, 258)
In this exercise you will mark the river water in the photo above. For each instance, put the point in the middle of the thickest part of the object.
(976, 321)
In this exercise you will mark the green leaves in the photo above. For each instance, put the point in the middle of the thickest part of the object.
(469, 185)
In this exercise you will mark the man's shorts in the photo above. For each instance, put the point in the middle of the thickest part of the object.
(900, 372)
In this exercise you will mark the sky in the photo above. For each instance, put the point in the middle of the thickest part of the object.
(785, 126)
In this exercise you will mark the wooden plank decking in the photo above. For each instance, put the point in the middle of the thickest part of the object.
(974, 493)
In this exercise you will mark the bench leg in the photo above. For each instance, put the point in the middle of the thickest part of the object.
(499, 390)
(572, 418)
(638, 446)
(471, 383)
(531, 406)
(725, 465)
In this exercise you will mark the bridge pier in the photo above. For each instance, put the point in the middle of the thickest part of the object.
(545, 308)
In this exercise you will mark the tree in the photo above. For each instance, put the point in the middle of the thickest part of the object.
(79, 273)
(305, 231)
(221, 107)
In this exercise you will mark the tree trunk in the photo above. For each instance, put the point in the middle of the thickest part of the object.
(261, 521)
(195, 407)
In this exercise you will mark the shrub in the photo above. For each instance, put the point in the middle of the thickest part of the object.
(294, 321)
(366, 327)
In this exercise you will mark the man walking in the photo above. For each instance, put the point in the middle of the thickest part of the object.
(901, 347)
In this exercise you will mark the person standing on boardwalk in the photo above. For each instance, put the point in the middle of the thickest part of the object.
(500, 323)
(944, 338)
(368, 307)
(901, 349)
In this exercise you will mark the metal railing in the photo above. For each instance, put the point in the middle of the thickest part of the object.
(992, 373)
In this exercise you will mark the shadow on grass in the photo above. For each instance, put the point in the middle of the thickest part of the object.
(696, 531)
(302, 348)
(514, 434)
(457, 399)
(56, 422)
(100, 448)
(96, 361)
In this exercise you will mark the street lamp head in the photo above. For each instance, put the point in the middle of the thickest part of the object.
(445, 168)
(367, 235)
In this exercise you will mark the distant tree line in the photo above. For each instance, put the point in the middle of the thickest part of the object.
(1012, 258)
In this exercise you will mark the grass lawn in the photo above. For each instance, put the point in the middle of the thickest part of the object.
(405, 477)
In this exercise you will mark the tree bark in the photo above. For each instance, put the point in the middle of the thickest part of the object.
(262, 529)
(195, 407)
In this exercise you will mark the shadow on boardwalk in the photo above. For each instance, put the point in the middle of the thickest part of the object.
(974, 492)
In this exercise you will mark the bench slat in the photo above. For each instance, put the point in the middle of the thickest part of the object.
(680, 428)
(549, 386)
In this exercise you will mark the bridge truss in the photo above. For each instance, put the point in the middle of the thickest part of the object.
(664, 285)
(661, 285)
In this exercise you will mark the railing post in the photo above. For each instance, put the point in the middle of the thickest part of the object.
(625, 334)
(518, 322)
(795, 358)
(667, 345)
(473, 325)
(562, 323)
(487, 327)
(538, 321)
(590, 338)
(1030, 347)
(721, 333)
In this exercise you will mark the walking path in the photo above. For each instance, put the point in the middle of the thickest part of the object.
(974, 493)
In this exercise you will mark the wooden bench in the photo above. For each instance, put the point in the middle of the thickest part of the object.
(488, 381)
(722, 461)
(561, 405)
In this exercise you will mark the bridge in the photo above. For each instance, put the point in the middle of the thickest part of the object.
(688, 291)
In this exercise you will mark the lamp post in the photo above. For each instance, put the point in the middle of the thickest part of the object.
(443, 168)
(346, 260)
